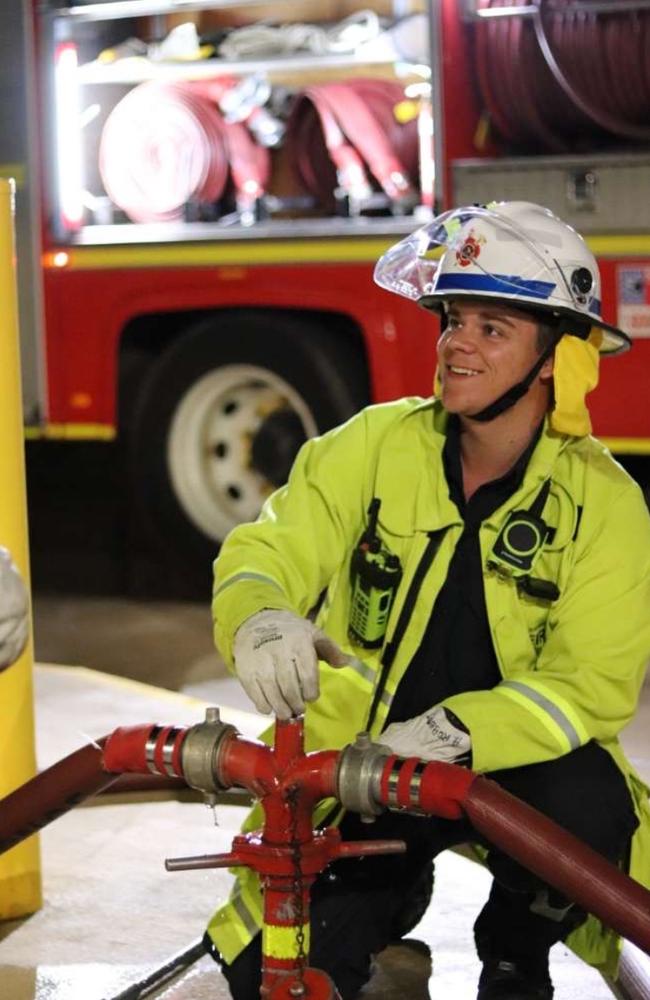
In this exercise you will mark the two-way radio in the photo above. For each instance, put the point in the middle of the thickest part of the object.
(375, 575)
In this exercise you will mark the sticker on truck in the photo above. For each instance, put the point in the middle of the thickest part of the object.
(634, 299)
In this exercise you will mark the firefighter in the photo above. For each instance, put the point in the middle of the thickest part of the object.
(14, 611)
(481, 568)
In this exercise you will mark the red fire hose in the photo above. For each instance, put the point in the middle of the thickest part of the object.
(288, 853)
(558, 79)
(346, 135)
(167, 144)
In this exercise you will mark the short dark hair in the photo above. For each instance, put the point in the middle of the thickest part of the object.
(547, 335)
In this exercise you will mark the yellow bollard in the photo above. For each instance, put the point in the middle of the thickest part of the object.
(20, 874)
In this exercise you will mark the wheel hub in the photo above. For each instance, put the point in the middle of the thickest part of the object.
(276, 444)
(232, 440)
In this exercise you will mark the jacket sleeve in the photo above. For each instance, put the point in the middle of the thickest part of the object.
(304, 533)
(585, 683)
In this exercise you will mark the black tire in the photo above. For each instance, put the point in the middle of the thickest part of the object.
(198, 457)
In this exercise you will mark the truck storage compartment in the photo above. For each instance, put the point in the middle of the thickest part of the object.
(600, 193)
(202, 117)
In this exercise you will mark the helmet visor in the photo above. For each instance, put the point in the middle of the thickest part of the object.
(409, 268)
(479, 252)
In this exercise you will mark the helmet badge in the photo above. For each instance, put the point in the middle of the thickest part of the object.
(469, 249)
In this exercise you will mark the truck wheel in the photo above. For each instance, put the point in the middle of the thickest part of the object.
(220, 417)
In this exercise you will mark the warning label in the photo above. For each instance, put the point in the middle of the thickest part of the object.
(634, 300)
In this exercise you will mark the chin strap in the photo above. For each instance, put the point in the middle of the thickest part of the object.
(519, 389)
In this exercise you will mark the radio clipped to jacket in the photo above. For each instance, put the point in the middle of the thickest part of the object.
(375, 575)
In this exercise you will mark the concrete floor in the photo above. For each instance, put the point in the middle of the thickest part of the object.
(112, 917)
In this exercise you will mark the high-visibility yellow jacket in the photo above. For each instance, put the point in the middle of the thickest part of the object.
(572, 668)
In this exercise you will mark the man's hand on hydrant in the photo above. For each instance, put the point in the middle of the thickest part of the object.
(276, 659)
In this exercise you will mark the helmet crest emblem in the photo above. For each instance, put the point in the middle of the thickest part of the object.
(469, 249)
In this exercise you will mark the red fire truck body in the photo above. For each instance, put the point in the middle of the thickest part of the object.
(83, 341)
(399, 341)
(214, 352)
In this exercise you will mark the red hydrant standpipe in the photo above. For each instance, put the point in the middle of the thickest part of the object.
(288, 853)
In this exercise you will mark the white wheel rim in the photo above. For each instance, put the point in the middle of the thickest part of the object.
(209, 444)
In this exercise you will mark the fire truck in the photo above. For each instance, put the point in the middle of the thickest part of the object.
(213, 335)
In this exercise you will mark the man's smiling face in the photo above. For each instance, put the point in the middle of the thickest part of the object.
(485, 349)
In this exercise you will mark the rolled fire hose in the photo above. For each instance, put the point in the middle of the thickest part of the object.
(340, 133)
(561, 79)
(167, 144)
(250, 163)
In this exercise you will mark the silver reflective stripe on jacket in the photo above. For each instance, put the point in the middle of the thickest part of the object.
(246, 575)
(244, 914)
(559, 718)
(368, 674)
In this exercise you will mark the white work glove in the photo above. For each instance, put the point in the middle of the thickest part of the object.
(14, 611)
(276, 659)
(434, 735)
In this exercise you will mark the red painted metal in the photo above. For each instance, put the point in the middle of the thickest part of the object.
(288, 854)
(399, 339)
(315, 985)
(81, 356)
(618, 405)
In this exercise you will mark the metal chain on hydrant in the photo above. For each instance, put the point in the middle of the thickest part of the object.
(297, 885)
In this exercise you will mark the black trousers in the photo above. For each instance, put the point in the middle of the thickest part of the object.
(359, 906)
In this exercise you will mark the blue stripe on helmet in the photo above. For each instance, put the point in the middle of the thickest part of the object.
(496, 284)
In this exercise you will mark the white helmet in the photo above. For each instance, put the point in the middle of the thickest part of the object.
(516, 252)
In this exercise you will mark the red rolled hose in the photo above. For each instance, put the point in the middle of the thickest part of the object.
(307, 134)
(562, 80)
(162, 146)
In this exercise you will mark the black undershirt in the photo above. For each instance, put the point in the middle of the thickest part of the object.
(456, 653)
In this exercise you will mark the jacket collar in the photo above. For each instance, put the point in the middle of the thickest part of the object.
(410, 480)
